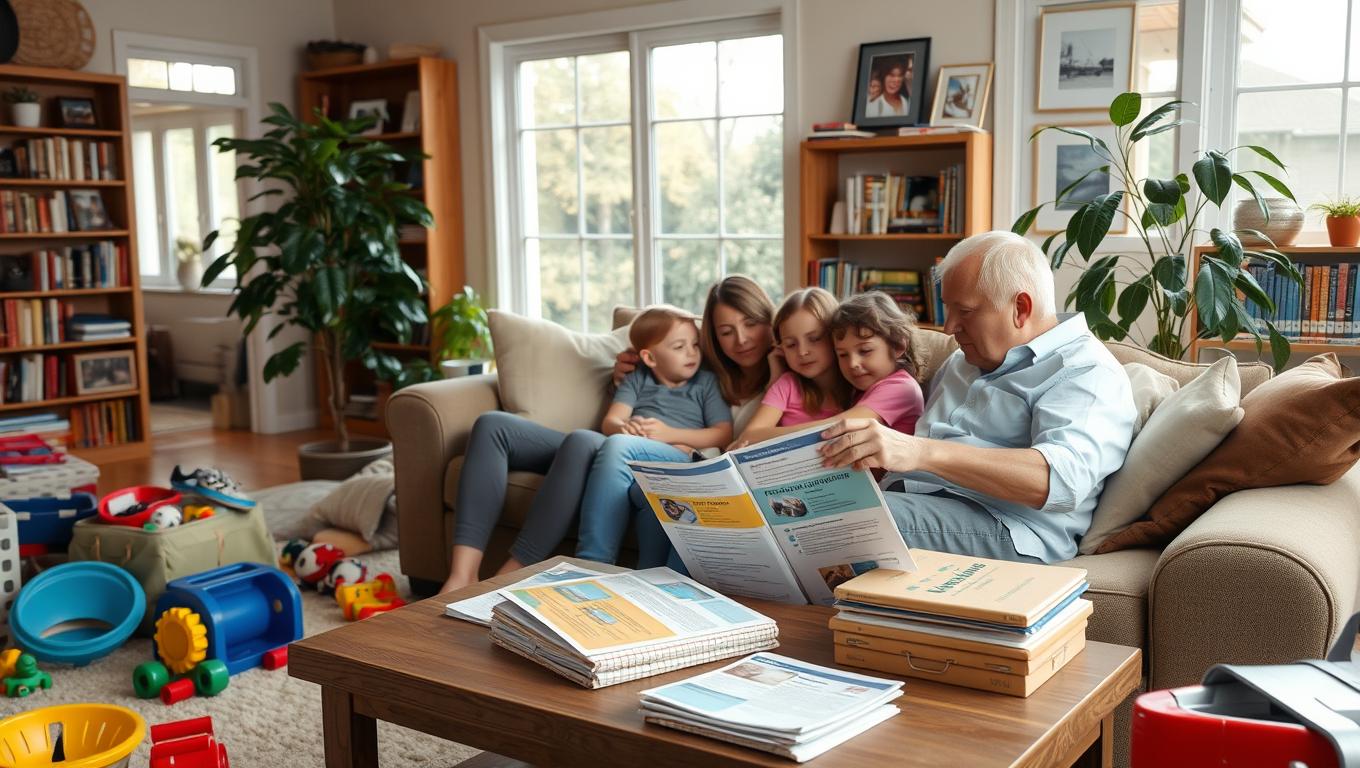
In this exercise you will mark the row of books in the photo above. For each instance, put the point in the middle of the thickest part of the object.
(35, 322)
(105, 423)
(844, 130)
(34, 377)
(892, 203)
(104, 264)
(64, 159)
(910, 288)
(1322, 310)
(76, 210)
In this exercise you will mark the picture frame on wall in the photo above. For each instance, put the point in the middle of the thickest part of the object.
(961, 93)
(890, 83)
(99, 372)
(369, 108)
(1085, 56)
(1059, 160)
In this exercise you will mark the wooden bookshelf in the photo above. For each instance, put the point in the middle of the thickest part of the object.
(439, 254)
(825, 164)
(109, 95)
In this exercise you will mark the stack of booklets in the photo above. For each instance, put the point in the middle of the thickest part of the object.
(775, 704)
(94, 327)
(970, 621)
(838, 130)
(603, 630)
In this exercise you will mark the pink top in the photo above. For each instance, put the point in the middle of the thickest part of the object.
(787, 396)
(897, 400)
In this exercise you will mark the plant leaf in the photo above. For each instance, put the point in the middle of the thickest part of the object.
(1213, 175)
(1244, 183)
(1263, 152)
(1212, 296)
(1062, 196)
(1096, 223)
(1125, 108)
(1152, 119)
(1279, 347)
(1164, 191)
(1026, 220)
(1276, 184)
(1133, 300)
(1229, 247)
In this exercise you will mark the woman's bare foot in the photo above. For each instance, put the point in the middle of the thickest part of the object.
(466, 562)
(510, 564)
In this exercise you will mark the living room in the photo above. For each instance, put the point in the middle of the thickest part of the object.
(326, 321)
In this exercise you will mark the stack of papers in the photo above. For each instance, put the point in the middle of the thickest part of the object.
(775, 704)
(604, 630)
(478, 609)
(92, 327)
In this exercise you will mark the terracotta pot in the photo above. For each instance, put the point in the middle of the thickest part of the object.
(324, 461)
(1343, 231)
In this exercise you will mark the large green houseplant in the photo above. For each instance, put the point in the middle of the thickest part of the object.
(1116, 289)
(326, 259)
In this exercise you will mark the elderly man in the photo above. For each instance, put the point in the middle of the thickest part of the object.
(1023, 423)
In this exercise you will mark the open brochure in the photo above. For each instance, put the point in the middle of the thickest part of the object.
(478, 609)
(769, 521)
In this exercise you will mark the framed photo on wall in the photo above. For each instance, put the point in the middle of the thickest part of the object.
(98, 372)
(1085, 56)
(961, 93)
(1061, 159)
(890, 83)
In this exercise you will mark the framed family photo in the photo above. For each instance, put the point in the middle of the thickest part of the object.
(98, 372)
(376, 108)
(1061, 159)
(76, 113)
(87, 207)
(890, 83)
(1085, 56)
(961, 95)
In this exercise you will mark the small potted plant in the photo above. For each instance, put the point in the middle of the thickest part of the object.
(461, 335)
(190, 258)
(24, 106)
(1343, 221)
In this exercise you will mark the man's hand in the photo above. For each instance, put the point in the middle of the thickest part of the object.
(867, 444)
(626, 362)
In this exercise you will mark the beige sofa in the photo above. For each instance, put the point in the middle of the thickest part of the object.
(1264, 576)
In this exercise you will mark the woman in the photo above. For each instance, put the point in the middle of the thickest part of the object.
(896, 97)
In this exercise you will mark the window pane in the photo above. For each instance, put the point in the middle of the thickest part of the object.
(751, 72)
(687, 176)
(1302, 41)
(205, 79)
(148, 73)
(559, 279)
(760, 260)
(226, 197)
(1301, 128)
(181, 76)
(684, 80)
(607, 179)
(609, 281)
(549, 182)
(688, 268)
(148, 215)
(226, 80)
(181, 194)
(753, 175)
(1158, 24)
(1352, 146)
(547, 92)
(605, 94)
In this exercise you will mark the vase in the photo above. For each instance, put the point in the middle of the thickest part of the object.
(453, 369)
(190, 274)
(1343, 231)
(27, 114)
(1286, 220)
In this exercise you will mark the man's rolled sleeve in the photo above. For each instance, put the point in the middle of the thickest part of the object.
(1082, 426)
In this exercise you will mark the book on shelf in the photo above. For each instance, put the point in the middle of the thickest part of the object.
(1321, 311)
(33, 322)
(33, 377)
(105, 423)
(59, 158)
(914, 290)
(846, 134)
(103, 264)
(56, 212)
(604, 630)
(834, 125)
(936, 130)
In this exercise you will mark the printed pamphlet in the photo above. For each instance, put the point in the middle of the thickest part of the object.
(478, 609)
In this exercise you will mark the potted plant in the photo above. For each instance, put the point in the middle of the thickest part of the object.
(326, 261)
(1164, 216)
(1343, 221)
(461, 335)
(189, 257)
(25, 109)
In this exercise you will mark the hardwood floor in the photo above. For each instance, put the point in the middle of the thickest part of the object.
(255, 461)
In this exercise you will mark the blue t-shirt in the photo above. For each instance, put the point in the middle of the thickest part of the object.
(693, 405)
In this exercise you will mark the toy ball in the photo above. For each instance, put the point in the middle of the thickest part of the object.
(166, 517)
(315, 561)
(347, 571)
(291, 550)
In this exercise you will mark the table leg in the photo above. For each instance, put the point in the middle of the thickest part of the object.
(1101, 753)
(351, 738)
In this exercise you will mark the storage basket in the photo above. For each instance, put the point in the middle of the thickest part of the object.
(9, 569)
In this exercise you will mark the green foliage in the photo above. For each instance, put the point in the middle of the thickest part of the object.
(1342, 207)
(21, 94)
(326, 259)
(460, 329)
(1116, 289)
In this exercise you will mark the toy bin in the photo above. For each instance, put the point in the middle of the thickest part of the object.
(46, 523)
(10, 580)
(84, 735)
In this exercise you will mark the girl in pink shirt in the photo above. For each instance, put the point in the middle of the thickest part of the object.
(872, 338)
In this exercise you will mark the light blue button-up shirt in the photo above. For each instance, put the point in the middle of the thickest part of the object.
(1062, 394)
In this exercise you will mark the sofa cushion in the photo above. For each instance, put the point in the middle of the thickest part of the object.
(1119, 587)
(1150, 388)
(1252, 374)
(551, 375)
(1180, 433)
(1303, 426)
(519, 492)
(929, 350)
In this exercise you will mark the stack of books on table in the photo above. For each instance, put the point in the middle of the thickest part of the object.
(603, 630)
(88, 327)
(775, 704)
(970, 621)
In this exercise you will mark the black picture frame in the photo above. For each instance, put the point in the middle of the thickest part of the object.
(77, 113)
(875, 61)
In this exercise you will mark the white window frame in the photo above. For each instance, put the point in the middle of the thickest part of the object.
(137, 45)
(503, 46)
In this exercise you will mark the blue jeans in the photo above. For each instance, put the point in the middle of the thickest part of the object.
(947, 523)
(611, 496)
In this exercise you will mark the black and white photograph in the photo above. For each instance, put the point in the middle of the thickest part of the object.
(1060, 159)
(1085, 55)
(889, 86)
(376, 108)
(1072, 164)
(76, 113)
(87, 206)
(98, 372)
(961, 92)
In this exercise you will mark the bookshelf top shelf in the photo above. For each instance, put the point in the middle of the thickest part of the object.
(68, 400)
(102, 133)
(382, 67)
(892, 143)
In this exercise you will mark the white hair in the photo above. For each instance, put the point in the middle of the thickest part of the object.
(1011, 264)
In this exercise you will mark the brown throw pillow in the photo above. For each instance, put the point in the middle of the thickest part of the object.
(1302, 426)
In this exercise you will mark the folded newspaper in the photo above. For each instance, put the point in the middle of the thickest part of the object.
(769, 521)
(775, 704)
(604, 630)
(478, 609)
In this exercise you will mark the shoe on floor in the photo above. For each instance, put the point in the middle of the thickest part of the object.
(212, 484)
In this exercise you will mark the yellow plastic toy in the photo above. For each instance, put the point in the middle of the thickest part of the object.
(194, 512)
(181, 639)
(359, 601)
(8, 661)
(92, 736)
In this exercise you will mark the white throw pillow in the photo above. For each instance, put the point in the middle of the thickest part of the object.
(1150, 387)
(556, 377)
(1183, 429)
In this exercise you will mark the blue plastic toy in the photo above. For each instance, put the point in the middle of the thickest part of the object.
(245, 609)
(49, 522)
(74, 613)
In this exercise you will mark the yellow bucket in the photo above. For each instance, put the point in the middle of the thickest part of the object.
(89, 736)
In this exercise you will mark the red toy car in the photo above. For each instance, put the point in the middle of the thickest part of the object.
(187, 744)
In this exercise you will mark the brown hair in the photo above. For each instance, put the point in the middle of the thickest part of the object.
(821, 305)
(744, 295)
(874, 313)
(652, 324)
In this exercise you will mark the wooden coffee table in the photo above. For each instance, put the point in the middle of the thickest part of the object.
(420, 669)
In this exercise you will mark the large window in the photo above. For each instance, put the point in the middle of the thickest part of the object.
(617, 202)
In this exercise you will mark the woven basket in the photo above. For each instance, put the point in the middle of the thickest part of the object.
(328, 59)
(53, 33)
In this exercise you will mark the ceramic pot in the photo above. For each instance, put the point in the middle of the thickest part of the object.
(27, 114)
(190, 274)
(324, 461)
(452, 369)
(1286, 220)
(1343, 231)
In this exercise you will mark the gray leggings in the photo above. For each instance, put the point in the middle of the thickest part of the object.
(503, 442)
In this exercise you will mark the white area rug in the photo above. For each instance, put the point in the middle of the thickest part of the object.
(180, 415)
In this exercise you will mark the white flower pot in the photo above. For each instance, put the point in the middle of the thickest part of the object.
(452, 369)
(27, 114)
(190, 274)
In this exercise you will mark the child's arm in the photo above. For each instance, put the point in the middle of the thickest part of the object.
(616, 418)
(716, 436)
(757, 431)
